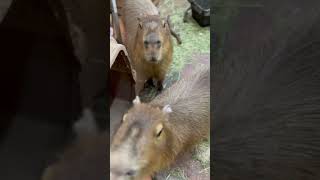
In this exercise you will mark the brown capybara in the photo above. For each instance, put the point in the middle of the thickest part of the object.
(148, 41)
(175, 34)
(152, 135)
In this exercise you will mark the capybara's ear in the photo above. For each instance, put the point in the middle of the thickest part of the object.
(167, 109)
(136, 100)
(139, 22)
(140, 17)
(124, 118)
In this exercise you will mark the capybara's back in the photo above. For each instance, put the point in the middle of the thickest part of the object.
(267, 94)
(190, 102)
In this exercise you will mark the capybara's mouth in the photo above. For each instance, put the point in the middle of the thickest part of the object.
(152, 59)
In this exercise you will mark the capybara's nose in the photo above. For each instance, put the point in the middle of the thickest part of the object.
(153, 59)
(156, 45)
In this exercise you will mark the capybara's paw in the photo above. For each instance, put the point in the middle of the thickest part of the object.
(148, 83)
(160, 87)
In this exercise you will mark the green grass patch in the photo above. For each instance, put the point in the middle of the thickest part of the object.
(176, 174)
(195, 39)
(202, 154)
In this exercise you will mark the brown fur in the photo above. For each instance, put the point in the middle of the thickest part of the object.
(136, 32)
(156, 2)
(175, 34)
(185, 126)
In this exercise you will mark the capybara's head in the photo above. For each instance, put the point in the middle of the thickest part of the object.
(138, 146)
(154, 36)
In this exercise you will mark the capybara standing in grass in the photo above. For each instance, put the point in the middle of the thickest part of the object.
(148, 40)
(152, 135)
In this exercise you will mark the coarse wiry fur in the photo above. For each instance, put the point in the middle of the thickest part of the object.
(136, 147)
(141, 19)
(267, 95)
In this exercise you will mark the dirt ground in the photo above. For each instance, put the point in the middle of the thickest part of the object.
(195, 49)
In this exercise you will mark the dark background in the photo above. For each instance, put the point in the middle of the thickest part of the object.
(266, 81)
(41, 93)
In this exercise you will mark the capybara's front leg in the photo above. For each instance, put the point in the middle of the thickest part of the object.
(139, 86)
(160, 85)
(149, 83)
(158, 82)
(159, 79)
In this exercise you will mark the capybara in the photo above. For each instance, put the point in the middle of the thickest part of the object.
(152, 135)
(267, 93)
(148, 41)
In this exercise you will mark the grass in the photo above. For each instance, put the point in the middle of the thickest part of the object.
(202, 154)
(195, 39)
(177, 174)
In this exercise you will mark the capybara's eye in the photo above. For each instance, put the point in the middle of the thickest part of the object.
(159, 129)
(146, 43)
(130, 173)
(158, 44)
(159, 133)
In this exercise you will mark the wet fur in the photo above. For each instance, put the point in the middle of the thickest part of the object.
(187, 125)
(267, 95)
